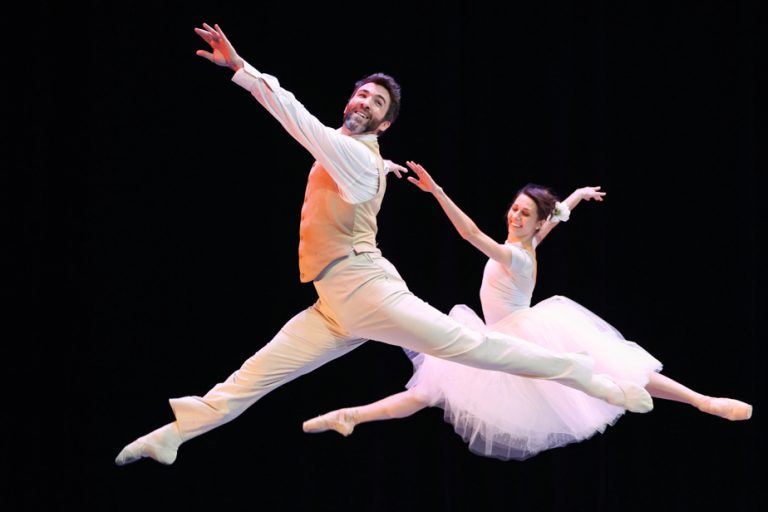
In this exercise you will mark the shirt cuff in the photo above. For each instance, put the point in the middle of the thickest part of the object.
(246, 76)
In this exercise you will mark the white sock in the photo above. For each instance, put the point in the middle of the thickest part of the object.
(160, 445)
(626, 394)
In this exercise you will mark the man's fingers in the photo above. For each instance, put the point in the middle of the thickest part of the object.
(221, 32)
(203, 53)
(203, 33)
(213, 34)
(209, 38)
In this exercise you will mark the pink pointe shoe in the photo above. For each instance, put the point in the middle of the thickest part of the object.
(727, 408)
(342, 421)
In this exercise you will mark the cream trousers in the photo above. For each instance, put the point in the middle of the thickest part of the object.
(364, 298)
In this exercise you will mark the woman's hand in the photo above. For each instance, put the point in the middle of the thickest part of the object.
(423, 180)
(589, 193)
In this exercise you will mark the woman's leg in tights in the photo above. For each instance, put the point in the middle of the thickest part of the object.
(405, 404)
(343, 421)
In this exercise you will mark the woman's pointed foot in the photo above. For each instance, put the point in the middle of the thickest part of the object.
(727, 408)
(342, 421)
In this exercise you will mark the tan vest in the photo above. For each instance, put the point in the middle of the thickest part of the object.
(330, 226)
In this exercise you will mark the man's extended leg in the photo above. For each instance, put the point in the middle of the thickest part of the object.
(306, 342)
(385, 310)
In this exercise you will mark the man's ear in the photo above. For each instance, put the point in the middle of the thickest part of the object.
(383, 126)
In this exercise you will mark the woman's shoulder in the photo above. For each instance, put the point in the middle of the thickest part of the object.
(522, 258)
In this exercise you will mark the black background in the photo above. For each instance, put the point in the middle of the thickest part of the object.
(153, 208)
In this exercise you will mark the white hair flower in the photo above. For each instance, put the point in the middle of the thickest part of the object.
(561, 212)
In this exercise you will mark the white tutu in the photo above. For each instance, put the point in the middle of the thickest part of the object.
(508, 417)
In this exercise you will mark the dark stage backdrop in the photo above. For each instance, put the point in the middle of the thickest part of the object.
(153, 222)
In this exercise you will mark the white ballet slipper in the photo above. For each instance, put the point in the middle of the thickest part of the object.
(160, 445)
(636, 398)
(625, 394)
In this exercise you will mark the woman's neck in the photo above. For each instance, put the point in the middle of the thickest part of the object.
(526, 242)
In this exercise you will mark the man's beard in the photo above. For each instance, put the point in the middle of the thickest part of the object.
(356, 126)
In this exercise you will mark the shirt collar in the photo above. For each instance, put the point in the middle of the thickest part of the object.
(365, 136)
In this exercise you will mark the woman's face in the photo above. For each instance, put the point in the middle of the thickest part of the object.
(523, 218)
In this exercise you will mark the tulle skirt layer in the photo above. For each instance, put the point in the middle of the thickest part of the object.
(508, 417)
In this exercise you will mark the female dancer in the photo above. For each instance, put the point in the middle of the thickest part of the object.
(506, 416)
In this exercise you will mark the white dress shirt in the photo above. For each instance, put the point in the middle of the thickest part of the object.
(351, 164)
